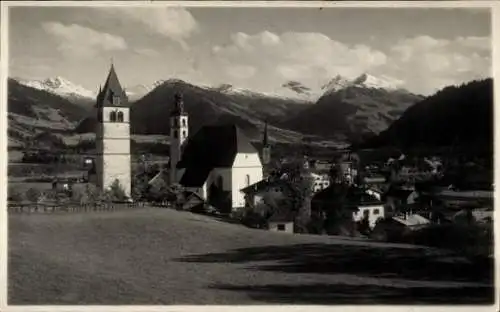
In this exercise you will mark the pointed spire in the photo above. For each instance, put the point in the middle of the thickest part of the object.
(178, 105)
(112, 89)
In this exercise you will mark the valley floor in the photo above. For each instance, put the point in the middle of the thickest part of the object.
(162, 256)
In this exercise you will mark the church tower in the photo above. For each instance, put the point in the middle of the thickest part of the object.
(113, 160)
(179, 131)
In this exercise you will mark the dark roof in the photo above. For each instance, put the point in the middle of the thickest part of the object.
(112, 88)
(349, 195)
(195, 176)
(263, 185)
(397, 192)
(215, 146)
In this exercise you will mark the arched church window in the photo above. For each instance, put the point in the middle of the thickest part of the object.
(219, 182)
(112, 116)
(183, 122)
(247, 180)
(184, 134)
(120, 117)
(176, 134)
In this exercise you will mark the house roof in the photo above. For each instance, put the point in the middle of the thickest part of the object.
(195, 176)
(412, 220)
(352, 196)
(215, 146)
(162, 174)
(397, 192)
(263, 185)
(112, 88)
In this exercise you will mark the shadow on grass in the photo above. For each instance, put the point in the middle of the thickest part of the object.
(362, 294)
(364, 261)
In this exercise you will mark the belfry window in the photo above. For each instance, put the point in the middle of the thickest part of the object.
(184, 122)
(120, 117)
(184, 134)
(112, 116)
(116, 100)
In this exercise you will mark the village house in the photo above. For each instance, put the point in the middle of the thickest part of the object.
(395, 227)
(360, 203)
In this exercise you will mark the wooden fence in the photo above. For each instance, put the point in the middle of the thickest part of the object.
(28, 208)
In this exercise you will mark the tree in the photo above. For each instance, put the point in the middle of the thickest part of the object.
(117, 192)
(158, 192)
(299, 189)
(15, 195)
(33, 195)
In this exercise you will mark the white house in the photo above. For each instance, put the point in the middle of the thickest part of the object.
(217, 162)
(321, 181)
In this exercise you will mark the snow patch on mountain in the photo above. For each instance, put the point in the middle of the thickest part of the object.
(363, 81)
(281, 92)
(137, 91)
(59, 86)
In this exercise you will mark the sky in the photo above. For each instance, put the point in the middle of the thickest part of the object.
(254, 48)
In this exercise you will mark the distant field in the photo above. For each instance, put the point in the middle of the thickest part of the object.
(162, 256)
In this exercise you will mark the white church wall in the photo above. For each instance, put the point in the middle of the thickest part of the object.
(117, 167)
(115, 146)
(242, 177)
(116, 130)
(247, 160)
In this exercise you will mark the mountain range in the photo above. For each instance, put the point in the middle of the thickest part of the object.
(456, 115)
(346, 111)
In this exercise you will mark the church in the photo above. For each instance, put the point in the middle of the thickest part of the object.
(217, 162)
(112, 160)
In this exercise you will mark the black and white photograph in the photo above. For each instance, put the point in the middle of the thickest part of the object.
(172, 154)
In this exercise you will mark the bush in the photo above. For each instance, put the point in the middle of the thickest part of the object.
(33, 195)
(254, 220)
(116, 191)
(468, 239)
(15, 195)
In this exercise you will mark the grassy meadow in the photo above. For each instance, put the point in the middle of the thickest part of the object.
(163, 256)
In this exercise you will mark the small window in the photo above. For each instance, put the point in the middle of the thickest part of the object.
(281, 227)
(366, 213)
(247, 180)
(176, 135)
(112, 116)
(184, 135)
(116, 100)
(120, 117)
(184, 122)
(376, 212)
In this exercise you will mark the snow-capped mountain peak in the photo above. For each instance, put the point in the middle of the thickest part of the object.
(59, 86)
(138, 91)
(363, 81)
(337, 83)
(381, 82)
